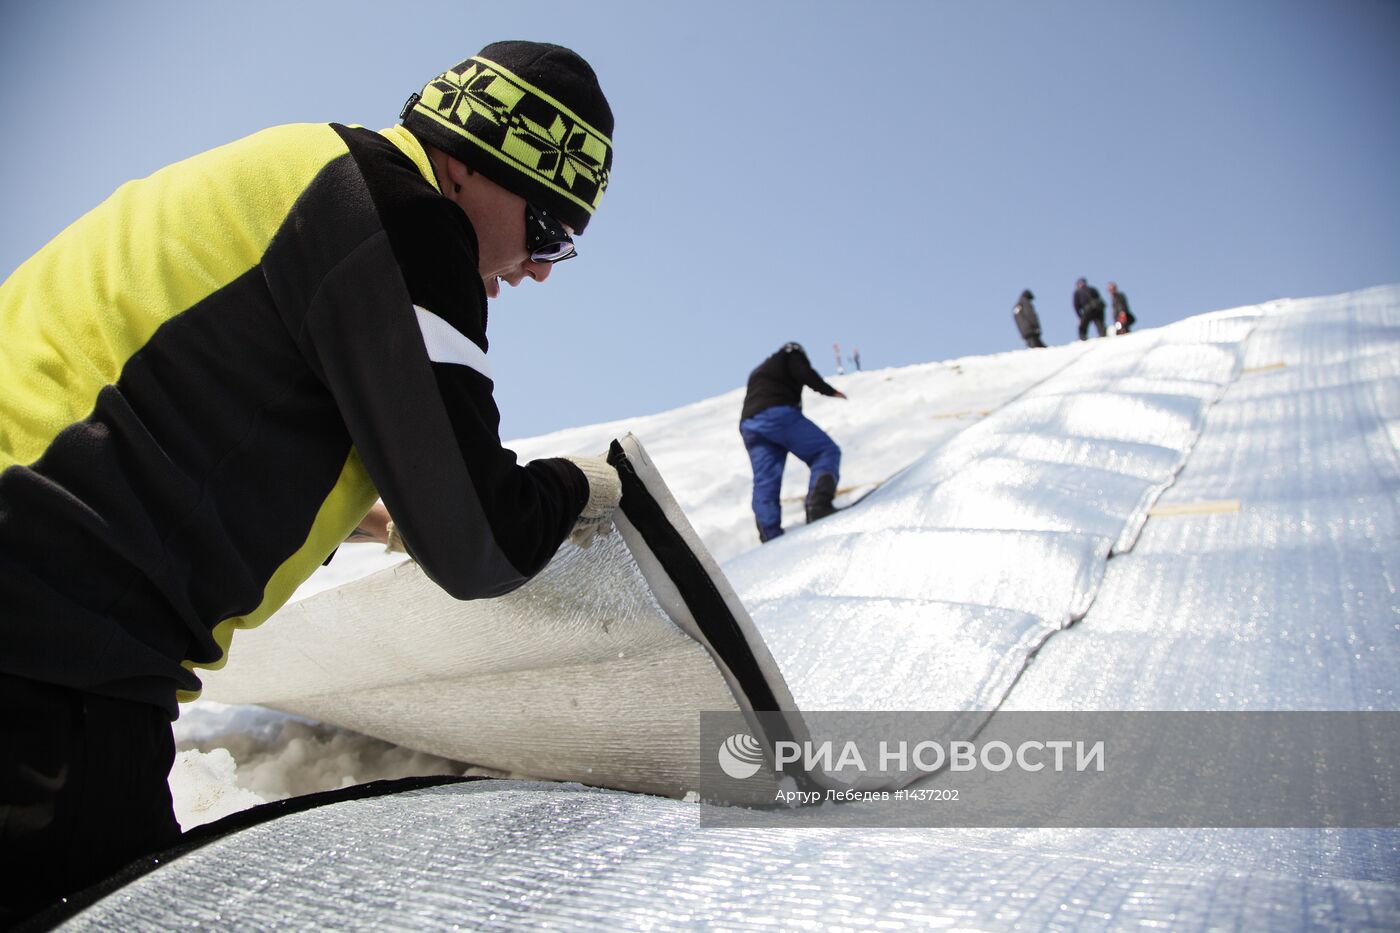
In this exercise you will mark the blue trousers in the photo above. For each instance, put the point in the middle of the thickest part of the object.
(769, 437)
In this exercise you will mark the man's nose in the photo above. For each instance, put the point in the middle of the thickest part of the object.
(539, 271)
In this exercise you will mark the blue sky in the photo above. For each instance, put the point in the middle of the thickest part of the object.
(888, 175)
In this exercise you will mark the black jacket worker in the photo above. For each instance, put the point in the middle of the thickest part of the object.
(1089, 307)
(772, 426)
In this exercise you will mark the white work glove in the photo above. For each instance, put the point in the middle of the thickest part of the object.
(393, 541)
(604, 493)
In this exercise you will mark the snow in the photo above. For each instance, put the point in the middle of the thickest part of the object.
(1288, 601)
(233, 757)
(204, 787)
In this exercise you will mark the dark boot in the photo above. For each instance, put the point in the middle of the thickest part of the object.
(819, 498)
(765, 536)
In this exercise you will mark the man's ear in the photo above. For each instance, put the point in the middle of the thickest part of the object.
(458, 172)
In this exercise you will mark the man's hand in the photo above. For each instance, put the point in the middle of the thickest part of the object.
(376, 526)
(604, 493)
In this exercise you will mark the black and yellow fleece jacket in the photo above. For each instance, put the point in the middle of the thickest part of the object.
(206, 381)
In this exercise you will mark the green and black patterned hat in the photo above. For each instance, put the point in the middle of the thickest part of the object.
(529, 116)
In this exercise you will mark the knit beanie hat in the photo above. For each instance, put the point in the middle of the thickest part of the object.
(530, 117)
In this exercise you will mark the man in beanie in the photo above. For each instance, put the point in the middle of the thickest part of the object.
(208, 380)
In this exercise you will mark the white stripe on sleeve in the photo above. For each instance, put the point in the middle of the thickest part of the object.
(446, 344)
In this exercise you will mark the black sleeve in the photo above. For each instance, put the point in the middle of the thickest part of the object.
(422, 418)
(800, 368)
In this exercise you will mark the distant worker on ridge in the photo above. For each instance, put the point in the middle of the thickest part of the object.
(1027, 321)
(1123, 319)
(772, 425)
(1089, 306)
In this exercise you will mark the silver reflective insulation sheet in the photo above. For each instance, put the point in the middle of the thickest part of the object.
(946, 580)
(578, 675)
(498, 855)
(593, 671)
(1283, 598)
(1291, 601)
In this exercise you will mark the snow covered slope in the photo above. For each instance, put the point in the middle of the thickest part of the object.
(892, 418)
(1271, 585)
(943, 582)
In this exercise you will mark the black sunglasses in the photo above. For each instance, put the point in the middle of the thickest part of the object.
(546, 238)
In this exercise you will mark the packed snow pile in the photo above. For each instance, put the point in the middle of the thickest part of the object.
(1201, 516)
